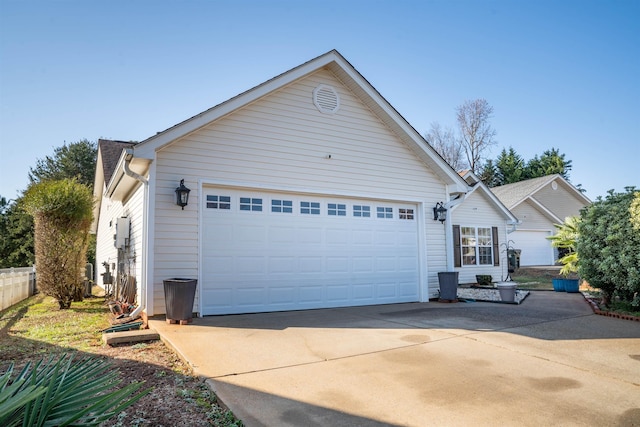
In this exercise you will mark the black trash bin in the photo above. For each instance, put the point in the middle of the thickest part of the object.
(448, 281)
(179, 295)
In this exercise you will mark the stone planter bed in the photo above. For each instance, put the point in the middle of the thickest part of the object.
(488, 295)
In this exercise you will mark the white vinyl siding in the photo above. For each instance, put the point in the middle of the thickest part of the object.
(105, 249)
(478, 211)
(532, 218)
(282, 142)
(561, 202)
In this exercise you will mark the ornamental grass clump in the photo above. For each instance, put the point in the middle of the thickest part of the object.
(64, 392)
(62, 212)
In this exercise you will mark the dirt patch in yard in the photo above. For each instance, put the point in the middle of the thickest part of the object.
(36, 329)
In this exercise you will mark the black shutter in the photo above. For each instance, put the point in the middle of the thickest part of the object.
(496, 246)
(457, 248)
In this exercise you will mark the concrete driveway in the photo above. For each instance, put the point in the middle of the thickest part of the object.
(548, 361)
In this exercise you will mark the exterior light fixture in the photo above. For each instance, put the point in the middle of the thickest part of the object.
(440, 212)
(182, 195)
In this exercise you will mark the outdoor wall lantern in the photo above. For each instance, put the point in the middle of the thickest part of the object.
(182, 195)
(440, 212)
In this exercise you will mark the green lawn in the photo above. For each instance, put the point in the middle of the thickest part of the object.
(36, 326)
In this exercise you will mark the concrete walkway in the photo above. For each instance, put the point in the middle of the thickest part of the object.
(548, 361)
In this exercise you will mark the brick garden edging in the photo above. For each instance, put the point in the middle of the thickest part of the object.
(596, 309)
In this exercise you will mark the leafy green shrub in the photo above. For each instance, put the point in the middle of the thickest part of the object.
(609, 246)
(62, 211)
(64, 392)
(484, 279)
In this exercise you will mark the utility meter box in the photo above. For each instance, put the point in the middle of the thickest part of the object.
(121, 239)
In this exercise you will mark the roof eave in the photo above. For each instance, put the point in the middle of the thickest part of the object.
(335, 62)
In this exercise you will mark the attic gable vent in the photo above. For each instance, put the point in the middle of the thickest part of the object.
(326, 99)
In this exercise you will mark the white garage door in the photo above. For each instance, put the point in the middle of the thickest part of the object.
(536, 249)
(271, 252)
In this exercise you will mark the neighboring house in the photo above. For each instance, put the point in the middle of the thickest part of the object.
(539, 203)
(307, 191)
(482, 228)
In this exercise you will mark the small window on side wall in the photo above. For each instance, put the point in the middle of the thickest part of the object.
(475, 246)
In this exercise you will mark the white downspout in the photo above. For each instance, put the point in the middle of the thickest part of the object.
(145, 225)
(448, 230)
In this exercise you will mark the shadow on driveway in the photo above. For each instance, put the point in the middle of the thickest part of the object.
(548, 361)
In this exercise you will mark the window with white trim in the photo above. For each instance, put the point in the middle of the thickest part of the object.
(362, 211)
(477, 245)
(250, 204)
(336, 209)
(384, 212)
(218, 202)
(282, 206)
(310, 208)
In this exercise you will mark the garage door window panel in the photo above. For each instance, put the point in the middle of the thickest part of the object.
(218, 202)
(250, 204)
(384, 212)
(281, 206)
(310, 208)
(406, 214)
(361, 211)
(336, 209)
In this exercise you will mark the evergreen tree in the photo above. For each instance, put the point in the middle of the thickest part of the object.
(549, 163)
(16, 240)
(510, 167)
(75, 160)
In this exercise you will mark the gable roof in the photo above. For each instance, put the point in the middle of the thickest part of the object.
(352, 79)
(478, 185)
(108, 158)
(110, 154)
(514, 194)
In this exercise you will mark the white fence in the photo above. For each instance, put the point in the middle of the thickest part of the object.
(16, 284)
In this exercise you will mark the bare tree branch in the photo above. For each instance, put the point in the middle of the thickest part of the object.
(444, 141)
(476, 133)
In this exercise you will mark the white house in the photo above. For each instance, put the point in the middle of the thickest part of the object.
(539, 203)
(482, 229)
(307, 191)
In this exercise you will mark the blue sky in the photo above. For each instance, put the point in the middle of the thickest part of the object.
(559, 74)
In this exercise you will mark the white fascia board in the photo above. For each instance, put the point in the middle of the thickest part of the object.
(395, 119)
(121, 183)
(545, 211)
(352, 78)
(570, 187)
(117, 175)
(147, 148)
(511, 219)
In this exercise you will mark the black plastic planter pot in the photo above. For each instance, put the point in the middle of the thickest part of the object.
(179, 295)
(448, 281)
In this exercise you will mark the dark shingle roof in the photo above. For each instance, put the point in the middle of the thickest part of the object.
(111, 152)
